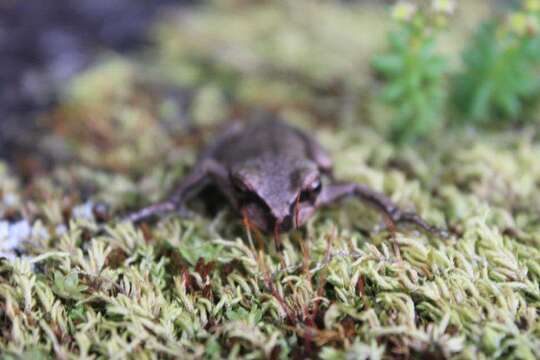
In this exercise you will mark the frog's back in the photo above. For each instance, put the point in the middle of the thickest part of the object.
(263, 139)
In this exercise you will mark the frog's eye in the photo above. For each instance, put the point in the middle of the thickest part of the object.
(314, 186)
(311, 191)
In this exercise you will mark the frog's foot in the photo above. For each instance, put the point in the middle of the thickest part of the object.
(391, 211)
(158, 209)
(184, 212)
(394, 217)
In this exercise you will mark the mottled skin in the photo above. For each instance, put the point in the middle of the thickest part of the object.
(273, 175)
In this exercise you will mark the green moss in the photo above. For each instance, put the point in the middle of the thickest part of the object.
(343, 287)
(76, 292)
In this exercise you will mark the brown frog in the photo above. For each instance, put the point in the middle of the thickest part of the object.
(275, 176)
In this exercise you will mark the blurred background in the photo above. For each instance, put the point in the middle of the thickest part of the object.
(319, 56)
(94, 93)
(43, 45)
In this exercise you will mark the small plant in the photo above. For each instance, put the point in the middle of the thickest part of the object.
(68, 286)
(413, 71)
(500, 74)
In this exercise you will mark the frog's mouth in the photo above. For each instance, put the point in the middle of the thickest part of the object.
(258, 216)
(262, 218)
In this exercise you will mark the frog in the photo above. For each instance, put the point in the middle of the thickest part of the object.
(275, 176)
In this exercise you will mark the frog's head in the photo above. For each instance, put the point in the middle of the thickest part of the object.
(277, 194)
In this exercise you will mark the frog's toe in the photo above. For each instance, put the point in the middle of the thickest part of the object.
(184, 212)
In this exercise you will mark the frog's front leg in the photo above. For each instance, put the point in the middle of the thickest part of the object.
(206, 173)
(390, 210)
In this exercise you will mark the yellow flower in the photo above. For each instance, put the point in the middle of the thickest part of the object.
(404, 11)
(532, 5)
(523, 24)
(444, 6)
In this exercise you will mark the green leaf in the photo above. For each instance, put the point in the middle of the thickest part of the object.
(388, 64)
(393, 92)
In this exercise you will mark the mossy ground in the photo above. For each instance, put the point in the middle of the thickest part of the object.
(342, 288)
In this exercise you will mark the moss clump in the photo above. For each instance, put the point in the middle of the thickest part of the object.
(343, 287)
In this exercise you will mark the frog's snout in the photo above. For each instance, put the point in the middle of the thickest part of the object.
(285, 223)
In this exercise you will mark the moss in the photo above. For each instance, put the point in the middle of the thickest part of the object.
(198, 287)
(343, 287)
